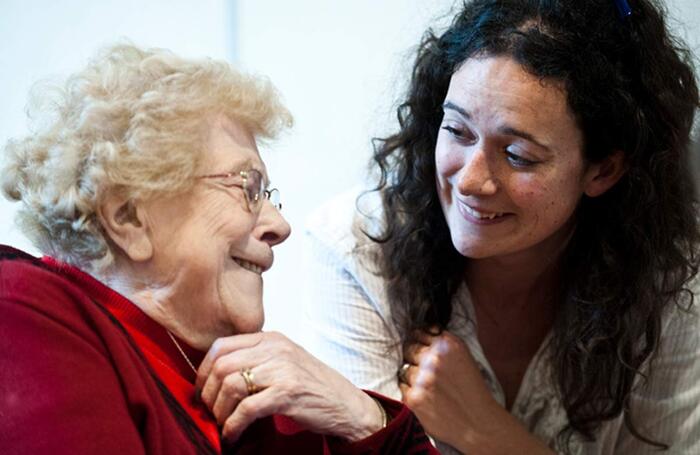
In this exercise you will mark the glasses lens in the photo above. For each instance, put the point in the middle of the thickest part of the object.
(254, 188)
(273, 196)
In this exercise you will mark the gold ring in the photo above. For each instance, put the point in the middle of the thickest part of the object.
(249, 381)
(403, 372)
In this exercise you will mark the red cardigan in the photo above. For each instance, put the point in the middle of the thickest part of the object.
(84, 370)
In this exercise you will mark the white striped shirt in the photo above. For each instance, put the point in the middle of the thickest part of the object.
(348, 325)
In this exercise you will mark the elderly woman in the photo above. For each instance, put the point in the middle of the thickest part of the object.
(145, 189)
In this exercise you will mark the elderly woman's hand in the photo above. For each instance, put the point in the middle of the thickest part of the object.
(289, 381)
(444, 388)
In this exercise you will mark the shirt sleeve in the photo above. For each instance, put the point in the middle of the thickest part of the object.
(343, 324)
(279, 434)
(666, 408)
(403, 435)
(58, 391)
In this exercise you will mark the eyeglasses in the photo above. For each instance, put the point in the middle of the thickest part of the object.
(253, 186)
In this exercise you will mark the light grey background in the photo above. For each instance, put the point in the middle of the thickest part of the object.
(340, 65)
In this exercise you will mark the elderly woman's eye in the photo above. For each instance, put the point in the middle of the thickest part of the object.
(231, 180)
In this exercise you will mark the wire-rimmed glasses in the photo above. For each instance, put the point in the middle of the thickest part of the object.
(253, 185)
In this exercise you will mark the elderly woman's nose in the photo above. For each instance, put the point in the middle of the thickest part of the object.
(476, 176)
(272, 227)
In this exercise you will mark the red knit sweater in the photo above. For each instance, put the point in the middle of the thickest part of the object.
(84, 370)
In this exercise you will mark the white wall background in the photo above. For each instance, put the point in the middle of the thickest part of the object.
(339, 65)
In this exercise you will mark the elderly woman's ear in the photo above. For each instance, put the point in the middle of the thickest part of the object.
(124, 221)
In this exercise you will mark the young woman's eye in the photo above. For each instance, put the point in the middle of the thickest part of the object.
(518, 161)
(458, 133)
(452, 130)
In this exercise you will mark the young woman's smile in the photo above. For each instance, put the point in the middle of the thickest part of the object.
(510, 168)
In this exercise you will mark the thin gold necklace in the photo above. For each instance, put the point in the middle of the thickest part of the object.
(177, 345)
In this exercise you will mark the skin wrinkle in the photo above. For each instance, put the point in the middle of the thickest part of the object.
(116, 132)
(228, 297)
(163, 299)
(190, 252)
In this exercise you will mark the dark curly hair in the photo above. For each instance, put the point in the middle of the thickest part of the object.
(634, 251)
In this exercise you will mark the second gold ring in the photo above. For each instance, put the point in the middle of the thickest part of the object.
(249, 381)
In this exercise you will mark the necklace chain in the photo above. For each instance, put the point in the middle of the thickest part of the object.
(177, 345)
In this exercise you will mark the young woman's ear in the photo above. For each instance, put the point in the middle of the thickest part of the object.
(600, 177)
(124, 221)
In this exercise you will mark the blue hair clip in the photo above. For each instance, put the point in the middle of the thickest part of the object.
(623, 9)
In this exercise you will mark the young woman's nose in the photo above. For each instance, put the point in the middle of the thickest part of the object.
(476, 177)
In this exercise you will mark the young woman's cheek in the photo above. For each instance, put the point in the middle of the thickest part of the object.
(448, 159)
(548, 203)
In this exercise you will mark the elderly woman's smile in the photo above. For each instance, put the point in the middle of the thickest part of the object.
(200, 255)
(249, 266)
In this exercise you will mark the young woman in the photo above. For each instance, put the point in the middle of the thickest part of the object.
(522, 274)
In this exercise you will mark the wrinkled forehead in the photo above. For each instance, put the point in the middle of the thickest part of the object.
(230, 147)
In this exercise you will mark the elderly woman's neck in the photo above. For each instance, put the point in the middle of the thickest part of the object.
(151, 298)
(158, 302)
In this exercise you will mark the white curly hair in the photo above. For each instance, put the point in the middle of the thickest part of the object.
(134, 121)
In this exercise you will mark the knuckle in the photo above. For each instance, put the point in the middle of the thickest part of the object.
(219, 370)
(246, 409)
(415, 397)
(229, 426)
(217, 346)
(275, 336)
(229, 383)
(438, 362)
(430, 360)
(288, 387)
(207, 399)
(429, 379)
(286, 348)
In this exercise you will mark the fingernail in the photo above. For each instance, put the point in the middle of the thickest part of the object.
(230, 439)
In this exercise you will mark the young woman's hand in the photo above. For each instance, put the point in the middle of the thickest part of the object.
(443, 386)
